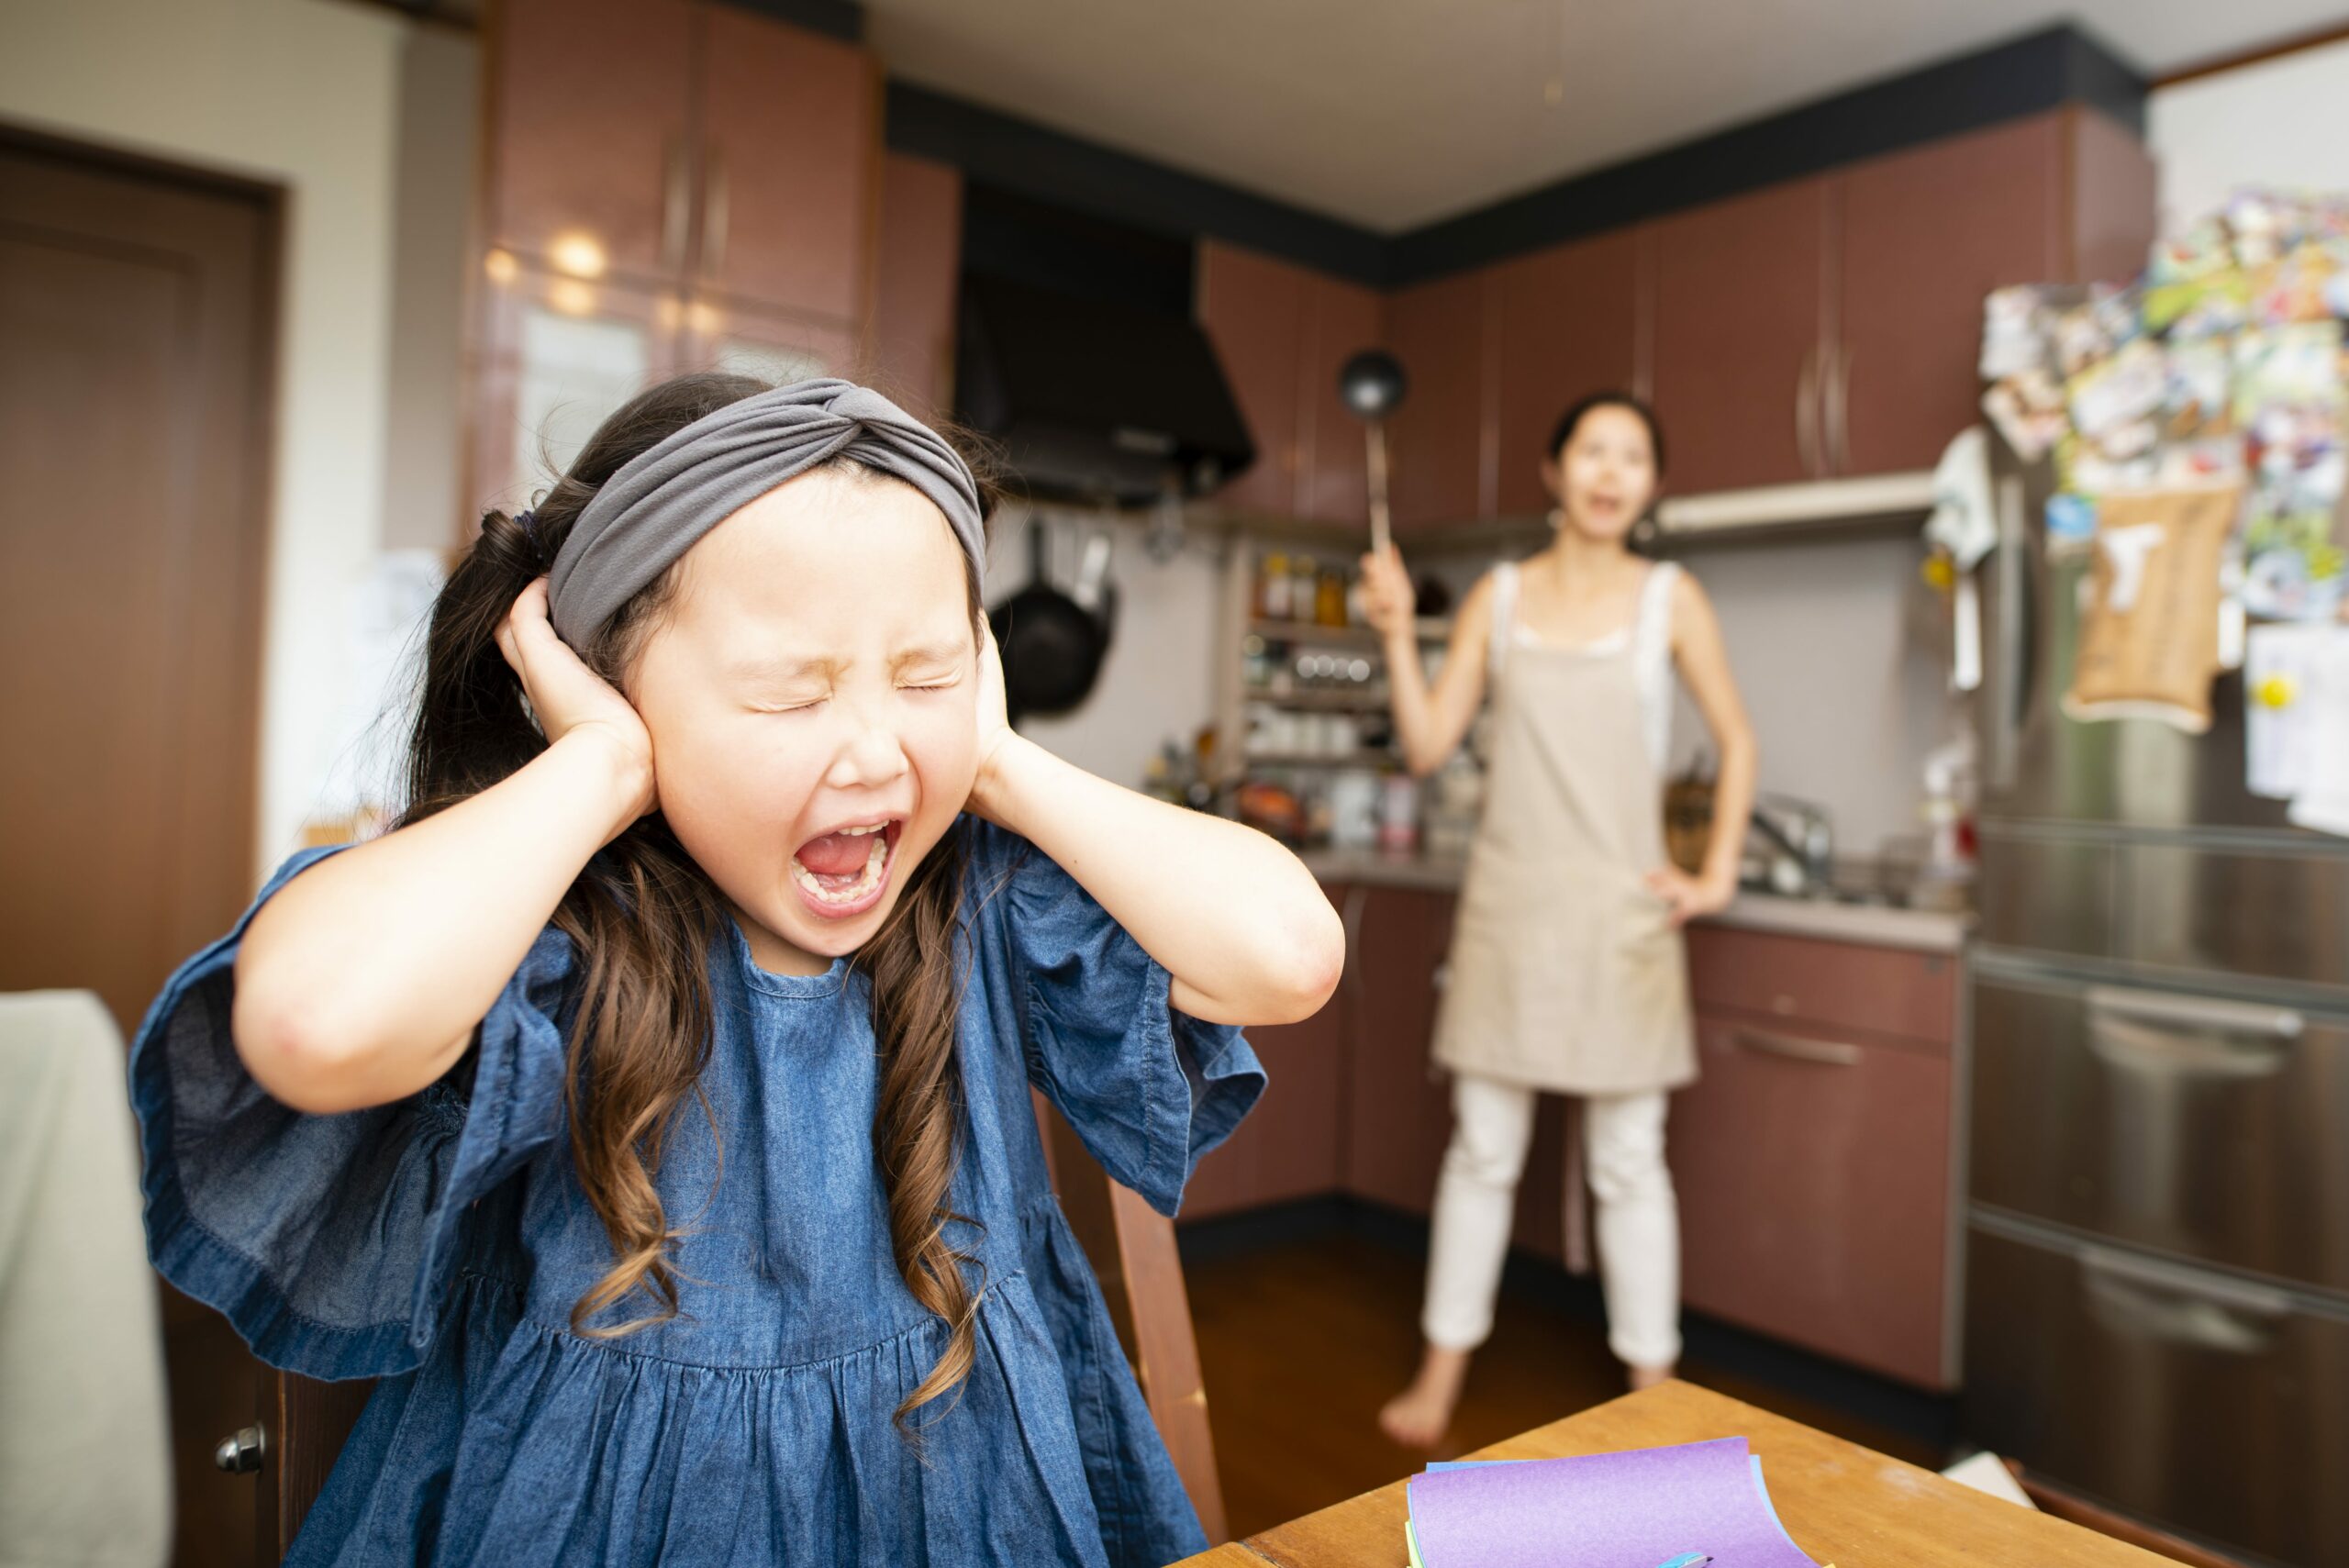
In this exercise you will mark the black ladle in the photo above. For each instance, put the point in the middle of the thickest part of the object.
(1372, 384)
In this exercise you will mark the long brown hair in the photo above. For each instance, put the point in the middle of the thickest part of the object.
(643, 917)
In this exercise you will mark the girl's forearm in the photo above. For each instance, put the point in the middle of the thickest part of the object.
(360, 981)
(1234, 917)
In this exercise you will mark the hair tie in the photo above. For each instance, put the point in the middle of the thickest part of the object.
(528, 519)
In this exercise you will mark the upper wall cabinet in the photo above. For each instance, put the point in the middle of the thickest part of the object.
(1740, 301)
(640, 139)
(640, 221)
(590, 134)
(915, 276)
(1282, 332)
(1441, 447)
(789, 164)
(1568, 325)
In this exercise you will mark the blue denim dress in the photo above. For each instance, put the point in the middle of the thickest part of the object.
(439, 1243)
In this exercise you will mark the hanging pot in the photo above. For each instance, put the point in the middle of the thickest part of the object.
(1052, 642)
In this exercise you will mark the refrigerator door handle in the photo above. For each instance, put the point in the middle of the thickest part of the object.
(2014, 565)
(2244, 1018)
(2141, 1296)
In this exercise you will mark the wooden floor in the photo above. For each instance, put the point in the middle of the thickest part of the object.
(1301, 1340)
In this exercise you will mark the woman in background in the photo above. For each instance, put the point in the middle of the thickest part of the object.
(1568, 970)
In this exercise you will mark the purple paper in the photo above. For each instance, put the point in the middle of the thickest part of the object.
(1634, 1509)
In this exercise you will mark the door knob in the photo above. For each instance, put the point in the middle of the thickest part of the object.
(241, 1453)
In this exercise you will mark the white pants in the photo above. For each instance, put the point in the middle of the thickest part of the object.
(1639, 1225)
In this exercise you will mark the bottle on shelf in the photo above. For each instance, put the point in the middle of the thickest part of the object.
(1272, 587)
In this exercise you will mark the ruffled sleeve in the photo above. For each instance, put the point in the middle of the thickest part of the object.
(330, 1242)
(1148, 1089)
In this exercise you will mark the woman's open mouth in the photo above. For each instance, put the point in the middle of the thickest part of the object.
(843, 873)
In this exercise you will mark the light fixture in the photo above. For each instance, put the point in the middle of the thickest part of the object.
(501, 266)
(572, 297)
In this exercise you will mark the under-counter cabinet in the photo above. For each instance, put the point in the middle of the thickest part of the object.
(1812, 1157)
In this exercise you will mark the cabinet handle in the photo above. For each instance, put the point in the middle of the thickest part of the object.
(241, 1451)
(1819, 1052)
(1807, 413)
(676, 204)
(2206, 1311)
(1838, 406)
(2246, 1019)
(716, 213)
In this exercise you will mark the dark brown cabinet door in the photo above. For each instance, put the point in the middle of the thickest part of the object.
(1925, 235)
(1255, 311)
(789, 165)
(1438, 444)
(1332, 482)
(1813, 1176)
(589, 133)
(1288, 1148)
(1740, 317)
(1566, 325)
(913, 302)
(1399, 1111)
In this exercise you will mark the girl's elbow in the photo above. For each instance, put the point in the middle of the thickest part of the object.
(1313, 961)
(295, 1049)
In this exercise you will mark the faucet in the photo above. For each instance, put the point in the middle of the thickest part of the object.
(1803, 832)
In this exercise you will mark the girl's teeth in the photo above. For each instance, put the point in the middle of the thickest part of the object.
(848, 890)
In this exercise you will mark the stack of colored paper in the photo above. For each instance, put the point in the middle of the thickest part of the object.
(1644, 1509)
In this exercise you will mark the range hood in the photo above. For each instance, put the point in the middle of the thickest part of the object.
(1095, 401)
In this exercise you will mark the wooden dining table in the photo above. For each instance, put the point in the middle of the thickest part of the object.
(1844, 1503)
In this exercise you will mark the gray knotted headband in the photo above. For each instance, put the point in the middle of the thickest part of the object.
(652, 510)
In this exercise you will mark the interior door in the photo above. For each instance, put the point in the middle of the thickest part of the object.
(135, 324)
(1741, 333)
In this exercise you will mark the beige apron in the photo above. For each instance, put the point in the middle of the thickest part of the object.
(1566, 972)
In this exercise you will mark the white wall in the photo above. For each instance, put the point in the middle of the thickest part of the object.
(1157, 682)
(1839, 672)
(2282, 123)
(303, 93)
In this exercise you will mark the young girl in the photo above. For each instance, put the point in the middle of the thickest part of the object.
(651, 1109)
(1566, 969)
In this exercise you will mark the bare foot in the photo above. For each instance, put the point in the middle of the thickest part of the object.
(1420, 1415)
(1649, 1376)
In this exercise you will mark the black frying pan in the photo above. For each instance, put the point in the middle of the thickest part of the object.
(1052, 643)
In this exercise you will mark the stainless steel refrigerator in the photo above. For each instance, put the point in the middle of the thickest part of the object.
(2157, 1238)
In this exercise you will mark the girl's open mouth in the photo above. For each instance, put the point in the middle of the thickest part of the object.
(845, 871)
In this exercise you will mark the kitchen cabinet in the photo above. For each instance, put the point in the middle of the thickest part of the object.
(588, 133)
(1812, 1155)
(789, 162)
(1288, 1146)
(1397, 1109)
(1568, 325)
(1332, 475)
(640, 222)
(1925, 234)
(1255, 309)
(1740, 300)
(1282, 332)
(1442, 441)
(917, 272)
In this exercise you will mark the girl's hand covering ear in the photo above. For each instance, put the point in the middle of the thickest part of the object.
(570, 699)
(995, 724)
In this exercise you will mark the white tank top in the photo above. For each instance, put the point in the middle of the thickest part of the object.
(1649, 637)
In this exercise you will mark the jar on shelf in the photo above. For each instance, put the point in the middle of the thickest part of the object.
(1329, 600)
(1303, 582)
(1272, 587)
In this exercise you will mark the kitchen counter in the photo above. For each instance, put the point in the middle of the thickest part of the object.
(1870, 925)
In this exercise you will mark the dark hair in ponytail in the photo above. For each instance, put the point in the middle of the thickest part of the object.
(643, 916)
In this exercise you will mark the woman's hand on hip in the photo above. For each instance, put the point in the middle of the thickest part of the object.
(570, 700)
(1690, 897)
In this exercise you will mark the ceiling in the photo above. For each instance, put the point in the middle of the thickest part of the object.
(1394, 113)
